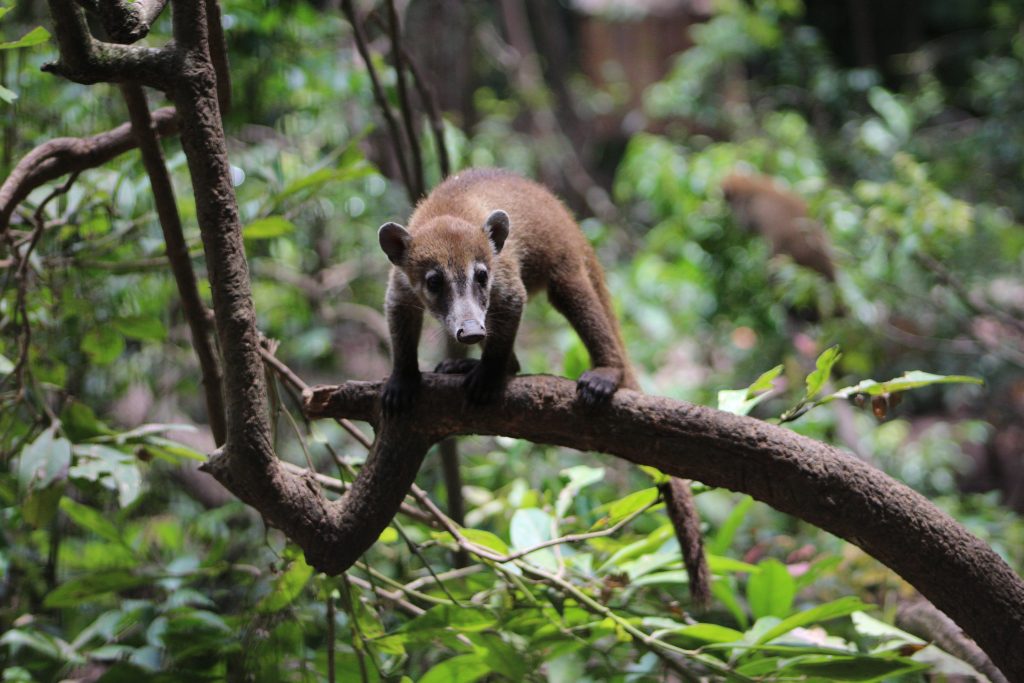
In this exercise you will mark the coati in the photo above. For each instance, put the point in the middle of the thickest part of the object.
(475, 249)
(781, 218)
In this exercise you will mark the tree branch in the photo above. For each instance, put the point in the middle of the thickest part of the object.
(790, 472)
(60, 156)
(177, 255)
(127, 21)
(83, 59)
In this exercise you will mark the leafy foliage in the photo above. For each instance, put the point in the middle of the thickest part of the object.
(108, 564)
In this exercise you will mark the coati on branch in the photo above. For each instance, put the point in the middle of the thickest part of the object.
(475, 249)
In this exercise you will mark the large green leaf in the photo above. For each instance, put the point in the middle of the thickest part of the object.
(771, 590)
(830, 610)
(459, 669)
(268, 228)
(44, 460)
(93, 585)
(287, 587)
(90, 519)
(34, 37)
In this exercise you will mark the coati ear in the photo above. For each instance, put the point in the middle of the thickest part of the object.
(497, 226)
(394, 240)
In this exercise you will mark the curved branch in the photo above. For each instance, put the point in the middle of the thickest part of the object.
(83, 59)
(836, 492)
(127, 21)
(61, 156)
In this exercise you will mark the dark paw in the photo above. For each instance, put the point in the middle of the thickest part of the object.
(597, 385)
(399, 393)
(456, 366)
(483, 384)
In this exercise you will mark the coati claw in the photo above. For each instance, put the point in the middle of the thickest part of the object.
(456, 366)
(596, 386)
(399, 393)
(483, 384)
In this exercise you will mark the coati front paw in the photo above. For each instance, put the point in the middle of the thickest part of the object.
(597, 385)
(456, 366)
(483, 383)
(399, 392)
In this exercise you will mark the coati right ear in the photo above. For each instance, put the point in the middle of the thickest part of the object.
(497, 226)
(394, 240)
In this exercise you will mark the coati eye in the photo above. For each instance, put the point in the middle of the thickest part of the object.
(434, 282)
(481, 277)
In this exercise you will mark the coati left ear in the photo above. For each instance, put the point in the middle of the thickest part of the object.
(497, 226)
(394, 240)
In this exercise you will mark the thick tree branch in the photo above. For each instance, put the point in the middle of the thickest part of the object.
(790, 472)
(177, 255)
(60, 156)
(127, 21)
(84, 59)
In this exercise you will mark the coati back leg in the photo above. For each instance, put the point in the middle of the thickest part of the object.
(576, 297)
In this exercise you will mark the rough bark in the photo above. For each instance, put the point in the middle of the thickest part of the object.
(792, 473)
(60, 156)
(177, 255)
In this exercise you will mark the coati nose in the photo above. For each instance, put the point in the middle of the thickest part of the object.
(470, 332)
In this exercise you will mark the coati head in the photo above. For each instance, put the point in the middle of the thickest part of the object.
(448, 264)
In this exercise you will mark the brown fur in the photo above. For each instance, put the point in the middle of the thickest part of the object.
(781, 218)
(544, 250)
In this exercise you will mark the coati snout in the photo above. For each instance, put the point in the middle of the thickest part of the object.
(448, 265)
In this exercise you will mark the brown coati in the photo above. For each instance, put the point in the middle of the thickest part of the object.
(475, 249)
(781, 218)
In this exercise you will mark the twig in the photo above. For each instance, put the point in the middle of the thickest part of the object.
(419, 189)
(380, 98)
(60, 156)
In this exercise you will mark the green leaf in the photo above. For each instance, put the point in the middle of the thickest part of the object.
(817, 379)
(103, 345)
(172, 450)
(92, 520)
(529, 527)
(830, 610)
(40, 505)
(764, 382)
(110, 467)
(710, 633)
(6, 365)
(34, 37)
(80, 422)
(459, 669)
(624, 507)
(7, 96)
(851, 668)
(499, 656)
(771, 590)
(652, 542)
(93, 585)
(437, 621)
(723, 538)
(486, 539)
(44, 460)
(141, 327)
(287, 587)
(579, 478)
(389, 535)
(912, 379)
(268, 228)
